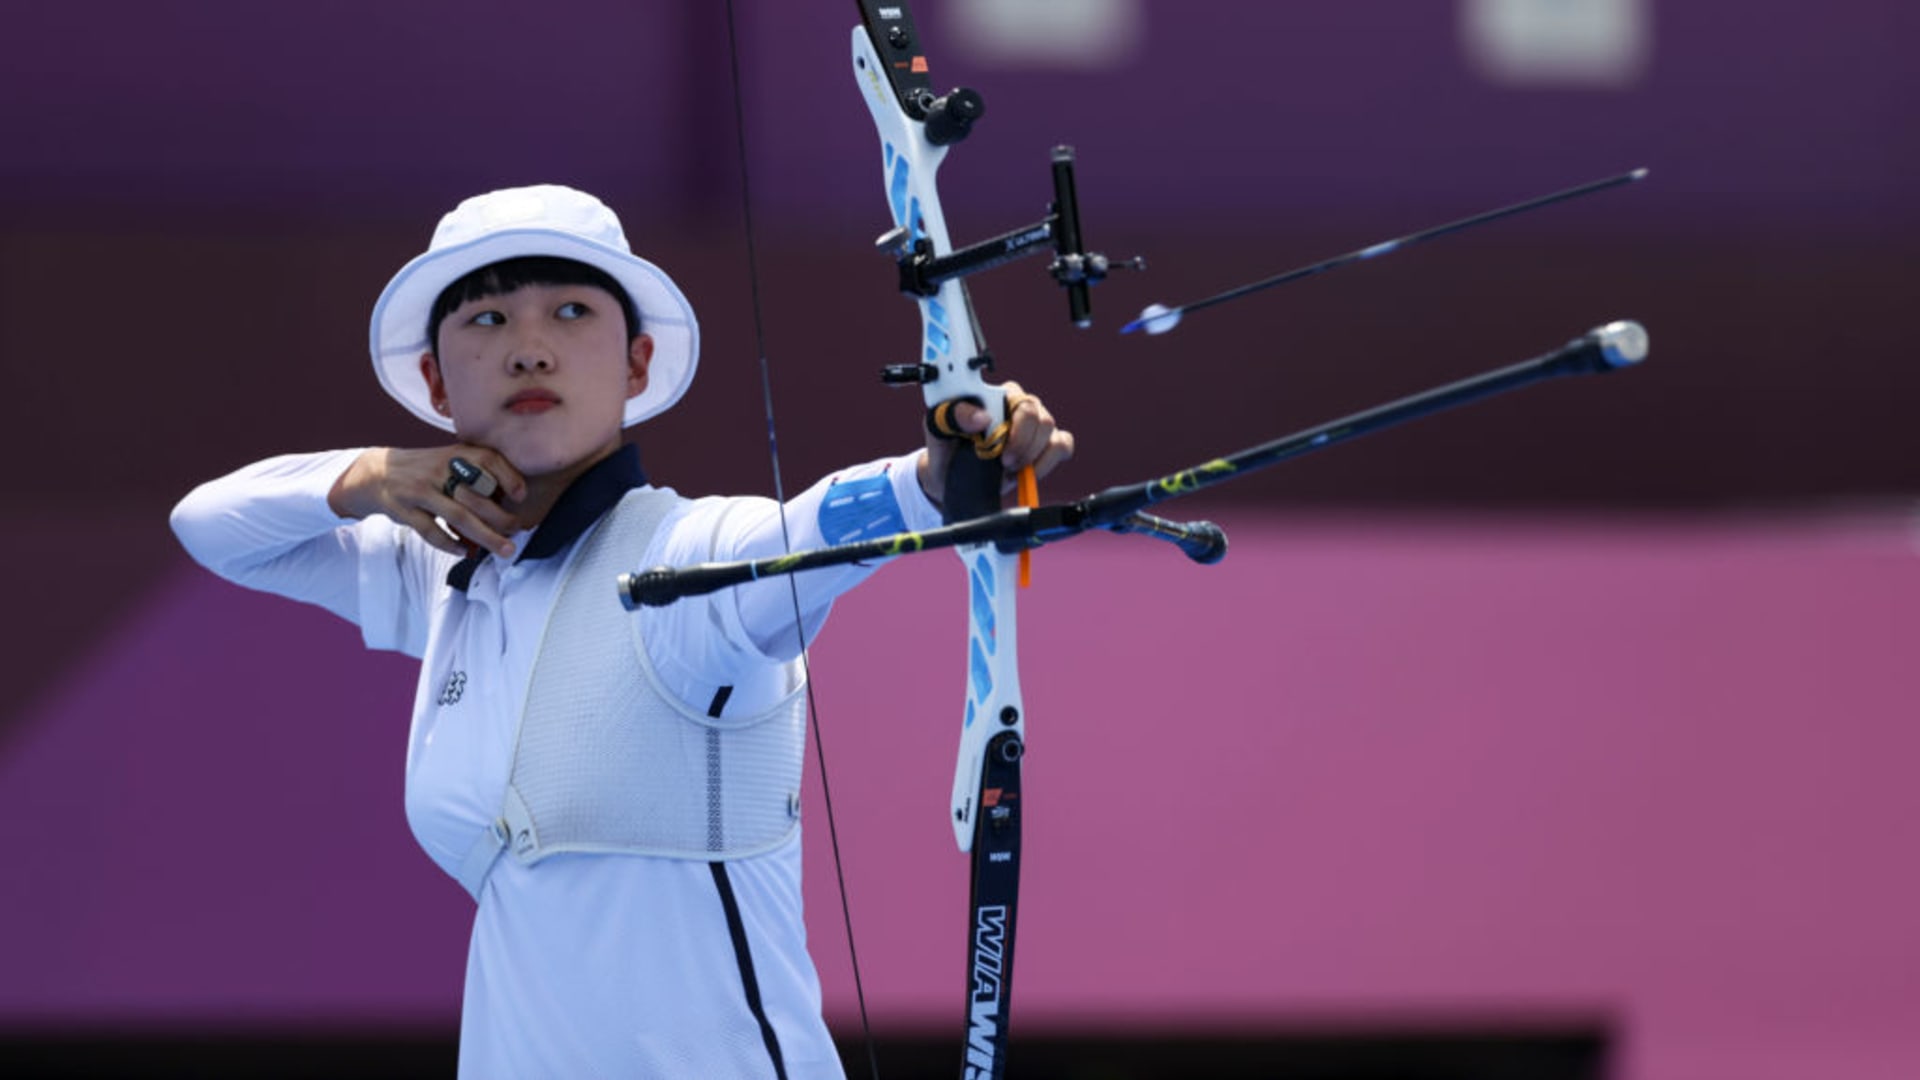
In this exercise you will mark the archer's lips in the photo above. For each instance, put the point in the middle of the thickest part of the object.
(532, 402)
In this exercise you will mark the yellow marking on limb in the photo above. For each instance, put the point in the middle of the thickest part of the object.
(783, 563)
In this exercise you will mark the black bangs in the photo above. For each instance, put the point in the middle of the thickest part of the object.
(498, 279)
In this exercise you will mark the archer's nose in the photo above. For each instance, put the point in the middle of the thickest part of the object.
(530, 357)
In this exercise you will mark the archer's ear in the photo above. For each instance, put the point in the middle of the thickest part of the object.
(639, 358)
(436, 386)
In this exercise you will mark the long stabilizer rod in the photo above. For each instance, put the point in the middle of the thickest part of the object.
(1120, 509)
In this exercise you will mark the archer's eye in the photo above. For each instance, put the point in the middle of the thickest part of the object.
(488, 318)
(572, 309)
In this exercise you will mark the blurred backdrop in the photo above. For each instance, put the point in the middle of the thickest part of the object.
(1565, 735)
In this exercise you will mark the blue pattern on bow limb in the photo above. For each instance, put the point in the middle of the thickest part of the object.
(985, 802)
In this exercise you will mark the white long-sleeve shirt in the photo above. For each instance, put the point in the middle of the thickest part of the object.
(579, 965)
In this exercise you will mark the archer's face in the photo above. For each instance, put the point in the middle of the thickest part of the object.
(541, 374)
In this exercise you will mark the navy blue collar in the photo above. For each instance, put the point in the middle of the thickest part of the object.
(590, 496)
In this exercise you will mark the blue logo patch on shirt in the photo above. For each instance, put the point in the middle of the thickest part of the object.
(860, 510)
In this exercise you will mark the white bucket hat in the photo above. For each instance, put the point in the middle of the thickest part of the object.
(513, 223)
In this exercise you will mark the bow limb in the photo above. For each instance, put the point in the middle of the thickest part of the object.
(985, 808)
(951, 347)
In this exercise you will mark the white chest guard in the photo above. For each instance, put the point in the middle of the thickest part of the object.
(605, 761)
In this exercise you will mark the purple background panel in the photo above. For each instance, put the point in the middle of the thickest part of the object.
(1759, 109)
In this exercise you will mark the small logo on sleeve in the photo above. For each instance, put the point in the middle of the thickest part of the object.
(455, 688)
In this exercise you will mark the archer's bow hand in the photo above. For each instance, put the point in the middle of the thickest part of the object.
(1026, 436)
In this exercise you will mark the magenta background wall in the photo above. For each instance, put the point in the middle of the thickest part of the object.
(1399, 772)
(1592, 705)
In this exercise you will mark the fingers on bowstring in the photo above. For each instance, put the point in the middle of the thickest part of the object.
(482, 521)
(428, 526)
(497, 476)
(465, 503)
(513, 486)
(463, 473)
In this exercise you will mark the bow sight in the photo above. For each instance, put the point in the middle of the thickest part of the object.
(1075, 268)
(948, 119)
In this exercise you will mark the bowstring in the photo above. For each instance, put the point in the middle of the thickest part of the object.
(786, 539)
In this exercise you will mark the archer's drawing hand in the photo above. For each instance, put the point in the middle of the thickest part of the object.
(411, 487)
(1033, 438)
